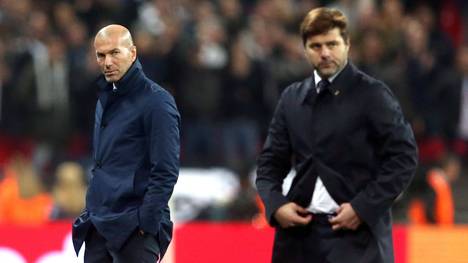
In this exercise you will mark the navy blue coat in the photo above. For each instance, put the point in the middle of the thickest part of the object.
(355, 137)
(136, 161)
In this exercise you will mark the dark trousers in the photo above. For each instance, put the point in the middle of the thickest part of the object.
(139, 248)
(305, 244)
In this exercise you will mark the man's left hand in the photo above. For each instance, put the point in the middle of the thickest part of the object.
(346, 218)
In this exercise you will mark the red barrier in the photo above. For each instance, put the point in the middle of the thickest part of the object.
(194, 242)
(32, 242)
(210, 242)
(233, 243)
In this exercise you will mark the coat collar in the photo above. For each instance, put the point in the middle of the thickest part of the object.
(124, 84)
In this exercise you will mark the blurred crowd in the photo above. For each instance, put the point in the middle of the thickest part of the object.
(226, 62)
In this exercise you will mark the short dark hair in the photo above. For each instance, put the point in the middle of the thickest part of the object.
(321, 20)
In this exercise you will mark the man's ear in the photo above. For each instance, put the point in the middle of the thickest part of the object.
(134, 53)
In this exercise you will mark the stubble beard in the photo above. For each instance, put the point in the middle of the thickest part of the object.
(327, 72)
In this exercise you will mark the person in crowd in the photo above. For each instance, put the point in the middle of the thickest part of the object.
(23, 198)
(68, 191)
(433, 203)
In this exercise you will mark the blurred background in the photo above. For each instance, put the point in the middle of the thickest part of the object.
(225, 62)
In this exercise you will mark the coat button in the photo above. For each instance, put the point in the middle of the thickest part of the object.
(98, 164)
(103, 125)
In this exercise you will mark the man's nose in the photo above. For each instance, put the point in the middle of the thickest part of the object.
(108, 61)
(325, 52)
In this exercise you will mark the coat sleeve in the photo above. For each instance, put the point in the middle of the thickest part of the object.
(161, 124)
(396, 153)
(274, 163)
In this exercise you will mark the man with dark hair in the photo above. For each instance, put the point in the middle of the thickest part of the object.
(136, 159)
(353, 151)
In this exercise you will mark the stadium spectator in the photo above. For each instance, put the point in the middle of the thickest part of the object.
(68, 191)
(434, 204)
(23, 199)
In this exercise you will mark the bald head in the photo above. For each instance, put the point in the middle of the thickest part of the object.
(69, 190)
(115, 52)
(115, 32)
(70, 173)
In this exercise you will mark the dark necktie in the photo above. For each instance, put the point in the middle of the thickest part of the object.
(322, 85)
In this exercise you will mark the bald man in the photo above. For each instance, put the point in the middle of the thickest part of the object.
(68, 191)
(136, 159)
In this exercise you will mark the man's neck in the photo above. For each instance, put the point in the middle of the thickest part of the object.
(317, 76)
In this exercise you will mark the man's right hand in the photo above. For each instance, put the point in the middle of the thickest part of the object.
(291, 214)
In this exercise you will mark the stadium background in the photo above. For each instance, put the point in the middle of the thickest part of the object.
(226, 62)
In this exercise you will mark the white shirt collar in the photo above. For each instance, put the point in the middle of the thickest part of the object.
(317, 77)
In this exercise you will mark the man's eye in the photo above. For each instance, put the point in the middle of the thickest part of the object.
(315, 47)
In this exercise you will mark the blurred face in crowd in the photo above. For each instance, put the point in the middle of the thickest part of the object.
(69, 190)
(115, 51)
(327, 52)
(462, 59)
(452, 170)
